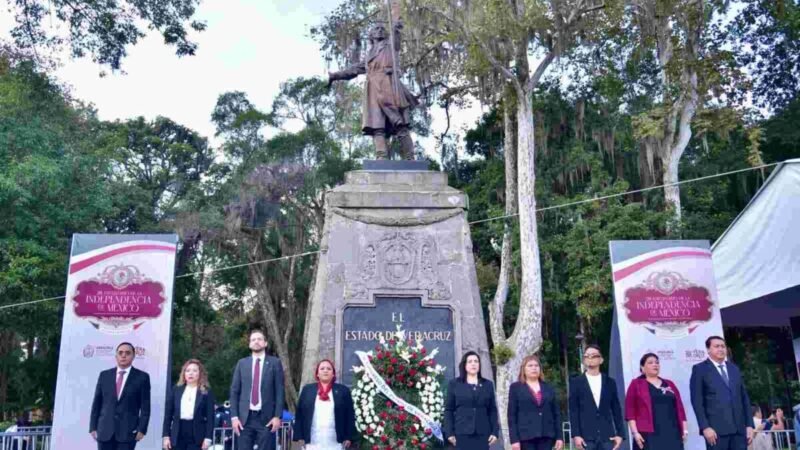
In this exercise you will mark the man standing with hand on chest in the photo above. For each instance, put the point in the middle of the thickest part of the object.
(257, 396)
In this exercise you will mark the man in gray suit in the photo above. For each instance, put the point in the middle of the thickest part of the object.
(257, 396)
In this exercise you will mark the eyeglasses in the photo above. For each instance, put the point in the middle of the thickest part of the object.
(595, 356)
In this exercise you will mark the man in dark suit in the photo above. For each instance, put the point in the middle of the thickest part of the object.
(257, 396)
(720, 400)
(594, 410)
(121, 406)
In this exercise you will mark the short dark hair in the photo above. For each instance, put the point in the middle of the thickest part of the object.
(755, 409)
(133, 349)
(462, 366)
(644, 359)
(713, 338)
(259, 331)
(594, 346)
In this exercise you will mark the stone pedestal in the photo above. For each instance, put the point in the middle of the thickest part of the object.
(396, 250)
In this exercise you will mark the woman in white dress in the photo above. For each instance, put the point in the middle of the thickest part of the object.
(761, 439)
(325, 418)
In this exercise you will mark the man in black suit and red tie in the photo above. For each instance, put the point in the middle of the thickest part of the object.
(121, 405)
(720, 400)
(257, 396)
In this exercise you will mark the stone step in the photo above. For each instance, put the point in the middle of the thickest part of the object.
(407, 177)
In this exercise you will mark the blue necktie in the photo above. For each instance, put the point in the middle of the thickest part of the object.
(724, 375)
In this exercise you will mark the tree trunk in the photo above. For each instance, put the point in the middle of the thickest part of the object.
(7, 343)
(672, 194)
(619, 165)
(677, 129)
(497, 306)
(274, 336)
(527, 336)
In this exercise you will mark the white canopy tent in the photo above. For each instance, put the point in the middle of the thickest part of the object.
(757, 259)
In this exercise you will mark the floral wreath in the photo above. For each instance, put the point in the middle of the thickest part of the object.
(411, 373)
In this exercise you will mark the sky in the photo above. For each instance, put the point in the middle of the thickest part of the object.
(249, 45)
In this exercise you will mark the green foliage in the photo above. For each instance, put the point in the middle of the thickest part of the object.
(768, 375)
(649, 124)
(501, 354)
(260, 194)
(52, 184)
(781, 134)
(103, 30)
(156, 164)
(766, 36)
(593, 155)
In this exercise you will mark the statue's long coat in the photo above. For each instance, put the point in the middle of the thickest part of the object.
(384, 108)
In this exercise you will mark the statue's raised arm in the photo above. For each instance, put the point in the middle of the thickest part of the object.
(387, 102)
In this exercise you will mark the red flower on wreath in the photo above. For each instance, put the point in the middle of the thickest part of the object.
(389, 426)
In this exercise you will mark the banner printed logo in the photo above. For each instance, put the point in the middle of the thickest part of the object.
(118, 300)
(668, 305)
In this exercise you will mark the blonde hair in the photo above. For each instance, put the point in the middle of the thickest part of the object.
(522, 378)
(202, 379)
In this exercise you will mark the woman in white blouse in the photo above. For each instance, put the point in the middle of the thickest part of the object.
(189, 412)
(325, 418)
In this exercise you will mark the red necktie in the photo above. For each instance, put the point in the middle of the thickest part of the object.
(254, 397)
(119, 381)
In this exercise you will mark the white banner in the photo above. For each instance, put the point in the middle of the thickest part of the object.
(666, 303)
(119, 289)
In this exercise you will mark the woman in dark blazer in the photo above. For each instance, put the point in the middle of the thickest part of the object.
(470, 411)
(189, 412)
(654, 409)
(534, 417)
(325, 418)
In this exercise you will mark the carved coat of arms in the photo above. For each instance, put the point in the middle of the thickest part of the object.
(398, 258)
(403, 260)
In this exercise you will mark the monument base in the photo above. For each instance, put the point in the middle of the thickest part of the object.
(396, 252)
(402, 165)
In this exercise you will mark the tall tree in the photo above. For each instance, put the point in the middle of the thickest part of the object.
(156, 165)
(53, 182)
(675, 34)
(497, 33)
(274, 205)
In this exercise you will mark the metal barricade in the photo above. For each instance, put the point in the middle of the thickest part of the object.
(225, 438)
(782, 439)
(566, 434)
(26, 438)
(39, 438)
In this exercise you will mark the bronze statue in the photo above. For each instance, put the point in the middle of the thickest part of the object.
(387, 102)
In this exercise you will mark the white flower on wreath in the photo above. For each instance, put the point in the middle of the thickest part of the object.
(431, 355)
(428, 388)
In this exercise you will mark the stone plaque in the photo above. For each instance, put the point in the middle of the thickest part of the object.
(363, 327)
